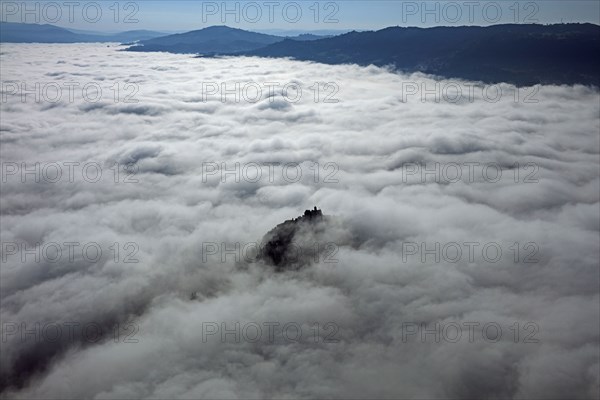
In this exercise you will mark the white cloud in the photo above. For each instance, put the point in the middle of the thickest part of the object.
(175, 206)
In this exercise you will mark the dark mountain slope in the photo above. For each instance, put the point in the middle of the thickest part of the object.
(520, 54)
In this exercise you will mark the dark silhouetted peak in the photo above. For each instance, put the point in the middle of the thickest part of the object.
(313, 214)
(296, 242)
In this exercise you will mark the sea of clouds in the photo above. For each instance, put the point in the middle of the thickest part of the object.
(158, 300)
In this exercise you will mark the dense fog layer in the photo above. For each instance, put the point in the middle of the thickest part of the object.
(461, 259)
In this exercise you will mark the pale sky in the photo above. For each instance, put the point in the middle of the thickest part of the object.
(171, 16)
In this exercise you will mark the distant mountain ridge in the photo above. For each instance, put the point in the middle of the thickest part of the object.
(11, 32)
(214, 39)
(211, 40)
(522, 54)
(218, 39)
